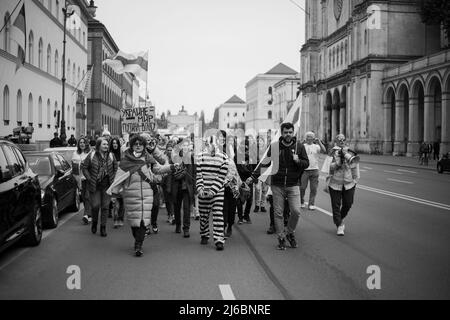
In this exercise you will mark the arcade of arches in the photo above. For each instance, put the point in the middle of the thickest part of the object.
(417, 110)
(335, 114)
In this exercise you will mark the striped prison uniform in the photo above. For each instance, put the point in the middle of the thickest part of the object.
(211, 172)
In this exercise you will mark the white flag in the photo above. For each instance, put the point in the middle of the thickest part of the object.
(136, 63)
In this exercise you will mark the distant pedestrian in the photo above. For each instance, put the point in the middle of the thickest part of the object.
(245, 164)
(343, 178)
(107, 135)
(72, 142)
(260, 187)
(116, 209)
(313, 148)
(430, 150)
(292, 161)
(424, 153)
(78, 157)
(436, 149)
(99, 168)
(56, 142)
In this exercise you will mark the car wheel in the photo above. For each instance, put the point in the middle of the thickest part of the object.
(34, 232)
(75, 207)
(440, 169)
(53, 217)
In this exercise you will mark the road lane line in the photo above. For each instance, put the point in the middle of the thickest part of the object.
(407, 171)
(368, 168)
(401, 181)
(394, 172)
(362, 170)
(227, 293)
(45, 234)
(328, 213)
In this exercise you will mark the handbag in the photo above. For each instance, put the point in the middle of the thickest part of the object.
(326, 165)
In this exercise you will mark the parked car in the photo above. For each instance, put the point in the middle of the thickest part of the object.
(20, 199)
(66, 152)
(444, 163)
(59, 189)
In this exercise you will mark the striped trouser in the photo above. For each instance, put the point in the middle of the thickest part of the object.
(214, 205)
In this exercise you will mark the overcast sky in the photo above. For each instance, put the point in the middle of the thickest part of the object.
(201, 52)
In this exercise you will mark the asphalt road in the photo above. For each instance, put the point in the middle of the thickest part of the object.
(400, 223)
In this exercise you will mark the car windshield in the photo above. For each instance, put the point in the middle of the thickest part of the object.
(40, 165)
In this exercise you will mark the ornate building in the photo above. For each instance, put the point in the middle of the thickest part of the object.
(373, 71)
(232, 114)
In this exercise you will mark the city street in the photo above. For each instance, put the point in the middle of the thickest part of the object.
(400, 222)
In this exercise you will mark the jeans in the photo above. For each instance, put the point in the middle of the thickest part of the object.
(155, 207)
(229, 207)
(248, 205)
(311, 176)
(260, 194)
(117, 209)
(139, 233)
(280, 194)
(86, 198)
(179, 197)
(286, 212)
(100, 202)
(341, 202)
(168, 199)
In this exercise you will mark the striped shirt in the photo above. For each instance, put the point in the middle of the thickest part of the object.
(211, 171)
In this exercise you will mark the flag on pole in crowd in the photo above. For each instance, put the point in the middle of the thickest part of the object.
(18, 35)
(136, 63)
(74, 21)
(293, 117)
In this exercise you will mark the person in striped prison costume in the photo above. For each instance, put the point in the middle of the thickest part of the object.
(212, 168)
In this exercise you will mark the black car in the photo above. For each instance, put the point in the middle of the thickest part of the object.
(59, 189)
(444, 163)
(20, 199)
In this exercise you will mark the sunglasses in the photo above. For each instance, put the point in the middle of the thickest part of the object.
(137, 144)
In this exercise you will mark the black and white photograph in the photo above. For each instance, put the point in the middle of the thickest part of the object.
(224, 156)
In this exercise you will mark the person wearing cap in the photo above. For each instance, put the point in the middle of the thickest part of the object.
(342, 180)
(313, 148)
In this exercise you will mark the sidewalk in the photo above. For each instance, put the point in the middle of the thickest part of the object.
(400, 161)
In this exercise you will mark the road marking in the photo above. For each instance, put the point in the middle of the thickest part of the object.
(407, 171)
(368, 168)
(227, 293)
(45, 234)
(394, 172)
(401, 181)
(328, 213)
(362, 170)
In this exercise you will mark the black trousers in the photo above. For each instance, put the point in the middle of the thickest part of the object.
(341, 202)
(286, 212)
(229, 207)
(248, 206)
(180, 196)
(155, 207)
(139, 233)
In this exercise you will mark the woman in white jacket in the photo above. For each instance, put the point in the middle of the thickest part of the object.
(78, 157)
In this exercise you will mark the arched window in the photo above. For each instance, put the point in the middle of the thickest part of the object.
(346, 51)
(57, 10)
(49, 58)
(269, 115)
(84, 39)
(55, 114)
(30, 110)
(6, 105)
(50, 5)
(19, 108)
(49, 111)
(365, 36)
(337, 56)
(68, 71)
(31, 48)
(78, 77)
(40, 54)
(40, 112)
(329, 59)
(73, 73)
(68, 118)
(334, 58)
(56, 64)
(6, 32)
(342, 53)
(73, 118)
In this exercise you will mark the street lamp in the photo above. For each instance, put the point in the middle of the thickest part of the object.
(66, 14)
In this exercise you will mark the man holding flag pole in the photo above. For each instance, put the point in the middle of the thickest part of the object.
(285, 161)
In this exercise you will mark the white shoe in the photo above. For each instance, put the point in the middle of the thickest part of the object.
(340, 230)
(90, 219)
(312, 207)
(303, 206)
(85, 219)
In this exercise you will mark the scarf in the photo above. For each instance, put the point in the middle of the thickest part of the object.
(132, 163)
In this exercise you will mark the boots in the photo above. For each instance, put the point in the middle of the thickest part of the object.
(138, 249)
(103, 231)
(94, 227)
(229, 231)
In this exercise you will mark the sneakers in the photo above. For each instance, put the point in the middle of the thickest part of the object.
(281, 244)
(85, 219)
(229, 232)
(303, 206)
(197, 217)
(204, 240)
(155, 228)
(241, 221)
(186, 234)
(292, 241)
(271, 230)
(219, 246)
(170, 219)
(138, 249)
(256, 209)
(116, 224)
(263, 209)
(312, 207)
(340, 230)
(120, 223)
(247, 221)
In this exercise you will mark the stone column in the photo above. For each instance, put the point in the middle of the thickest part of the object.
(342, 119)
(335, 110)
(429, 124)
(413, 130)
(399, 144)
(445, 133)
(387, 146)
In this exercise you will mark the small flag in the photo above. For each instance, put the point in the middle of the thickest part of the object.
(18, 34)
(74, 21)
(136, 63)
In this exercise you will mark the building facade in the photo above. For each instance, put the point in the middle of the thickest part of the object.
(259, 117)
(285, 92)
(346, 86)
(232, 114)
(184, 124)
(32, 96)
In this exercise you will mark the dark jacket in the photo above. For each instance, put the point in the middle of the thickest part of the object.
(91, 166)
(289, 172)
(55, 143)
(188, 176)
